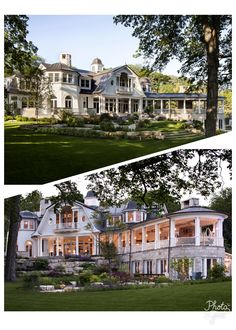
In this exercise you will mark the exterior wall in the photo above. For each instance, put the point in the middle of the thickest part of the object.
(23, 236)
(197, 253)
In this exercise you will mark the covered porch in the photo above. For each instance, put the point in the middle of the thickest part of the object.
(84, 245)
(198, 231)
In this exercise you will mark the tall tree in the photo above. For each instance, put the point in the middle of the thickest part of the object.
(162, 178)
(202, 43)
(39, 85)
(12, 218)
(13, 209)
(17, 50)
(223, 202)
(68, 194)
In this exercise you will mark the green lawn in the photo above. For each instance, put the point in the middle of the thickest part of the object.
(172, 298)
(32, 158)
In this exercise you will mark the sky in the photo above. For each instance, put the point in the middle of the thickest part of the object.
(86, 37)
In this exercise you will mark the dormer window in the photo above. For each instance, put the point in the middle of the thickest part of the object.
(85, 83)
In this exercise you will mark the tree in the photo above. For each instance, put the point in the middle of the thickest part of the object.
(13, 208)
(223, 202)
(203, 43)
(40, 87)
(181, 266)
(32, 201)
(162, 178)
(68, 194)
(12, 218)
(17, 50)
(108, 251)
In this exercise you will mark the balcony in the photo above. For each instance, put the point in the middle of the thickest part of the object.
(67, 227)
(124, 90)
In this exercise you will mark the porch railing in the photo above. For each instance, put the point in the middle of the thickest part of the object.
(124, 89)
(68, 225)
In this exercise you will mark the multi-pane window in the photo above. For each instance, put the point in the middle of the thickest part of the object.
(68, 102)
(67, 78)
(110, 105)
(53, 103)
(130, 216)
(70, 78)
(85, 102)
(31, 225)
(75, 216)
(50, 76)
(85, 83)
(26, 224)
(56, 78)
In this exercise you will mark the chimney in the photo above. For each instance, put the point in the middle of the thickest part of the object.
(191, 202)
(65, 59)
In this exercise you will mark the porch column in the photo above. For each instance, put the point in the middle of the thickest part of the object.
(57, 246)
(185, 107)
(129, 105)
(153, 104)
(76, 245)
(219, 232)
(140, 107)
(169, 109)
(117, 105)
(199, 106)
(157, 236)
(197, 231)
(40, 246)
(172, 232)
(119, 242)
(161, 107)
(94, 251)
(143, 238)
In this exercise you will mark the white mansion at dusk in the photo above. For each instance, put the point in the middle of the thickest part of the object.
(146, 241)
(118, 90)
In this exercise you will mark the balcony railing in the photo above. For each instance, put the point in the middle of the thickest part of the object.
(185, 241)
(124, 90)
(67, 226)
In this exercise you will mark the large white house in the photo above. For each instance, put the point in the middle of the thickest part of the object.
(95, 91)
(145, 242)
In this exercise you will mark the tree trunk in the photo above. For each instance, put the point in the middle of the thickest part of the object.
(211, 40)
(10, 267)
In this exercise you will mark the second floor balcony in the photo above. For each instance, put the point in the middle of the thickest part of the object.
(66, 227)
(124, 90)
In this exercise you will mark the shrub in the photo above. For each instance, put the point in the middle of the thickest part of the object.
(31, 280)
(161, 118)
(47, 281)
(59, 269)
(94, 278)
(217, 271)
(105, 117)
(107, 126)
(143, 123)
(198, 124)
(162, 279)
(84, 278)
(6, 118)
(41, 264)
(122, 276)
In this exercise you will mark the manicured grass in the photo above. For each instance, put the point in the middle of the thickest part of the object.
(32, 158)
(172, 298)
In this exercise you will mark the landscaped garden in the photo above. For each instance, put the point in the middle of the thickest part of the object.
(74, 284)
(47, 150)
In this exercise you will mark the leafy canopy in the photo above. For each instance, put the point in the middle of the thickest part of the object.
(163, 178)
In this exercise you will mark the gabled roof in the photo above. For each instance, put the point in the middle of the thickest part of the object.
(28, 215)
(60, 67)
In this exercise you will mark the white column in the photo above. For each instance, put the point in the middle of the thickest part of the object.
(157, 236)
(153, 104)
(94, 244)
(57, 246)
(129, 105)
(219, 232)
(172, 232)
(76, 245)
(169, 109)
(143, 237)
(140, 108)
(197, 231)
(40, 246)
(161, 106)
(185, 107)
(199, 106)
(117, 105)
